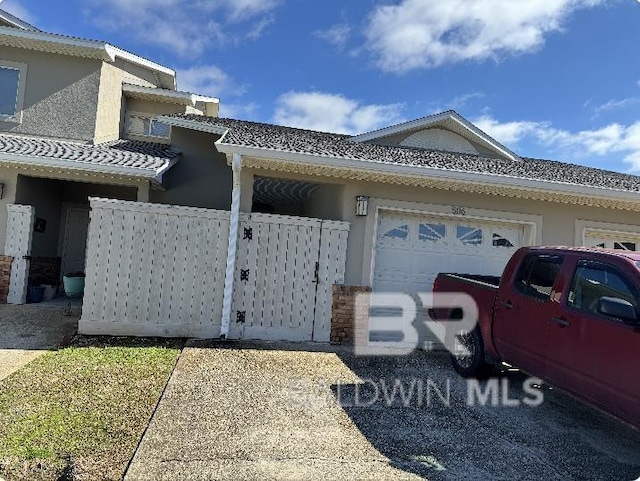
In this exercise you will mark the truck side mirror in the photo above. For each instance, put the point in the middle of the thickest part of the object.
(618, 308)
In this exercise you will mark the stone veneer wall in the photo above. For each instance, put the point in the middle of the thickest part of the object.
(343, 318)
(5, 276)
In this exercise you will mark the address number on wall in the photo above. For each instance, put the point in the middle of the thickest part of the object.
(457, 210)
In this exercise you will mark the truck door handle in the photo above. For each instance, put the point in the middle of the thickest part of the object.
(561, 322)
(507, 304)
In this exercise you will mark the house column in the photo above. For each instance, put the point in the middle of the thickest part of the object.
(236, 166)
(143, 192)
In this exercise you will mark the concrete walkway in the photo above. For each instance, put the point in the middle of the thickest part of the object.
(28, 331)
(268, 411)
(244, 414)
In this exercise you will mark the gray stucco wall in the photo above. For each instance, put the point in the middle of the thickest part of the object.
(61, 95)
(201, 178)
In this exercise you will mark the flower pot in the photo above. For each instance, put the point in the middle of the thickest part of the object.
(73, 286)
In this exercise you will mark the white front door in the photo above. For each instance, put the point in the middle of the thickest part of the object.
(411, 249)
(74, 249)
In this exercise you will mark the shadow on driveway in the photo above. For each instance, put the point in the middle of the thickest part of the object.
(257, 410)
(434, 432)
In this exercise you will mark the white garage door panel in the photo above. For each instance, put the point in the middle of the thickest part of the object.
(411, 250)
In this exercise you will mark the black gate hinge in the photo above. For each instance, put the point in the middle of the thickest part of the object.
(248, 233)
(241, 317)
(244, 275)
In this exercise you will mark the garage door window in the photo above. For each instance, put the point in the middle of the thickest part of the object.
(467, 235)
(432, 232)
(504, 238)
(397, 232)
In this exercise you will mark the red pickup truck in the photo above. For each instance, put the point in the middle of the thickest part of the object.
(566, 315)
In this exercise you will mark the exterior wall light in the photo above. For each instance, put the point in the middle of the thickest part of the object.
(362, 205)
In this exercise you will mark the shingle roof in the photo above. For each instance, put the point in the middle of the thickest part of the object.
(254, 134)
(147, 157)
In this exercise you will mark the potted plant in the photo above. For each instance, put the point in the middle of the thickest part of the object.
(73, 283)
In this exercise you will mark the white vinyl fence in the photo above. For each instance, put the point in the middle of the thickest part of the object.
(155, 270)
(159, 270)
(18, 245)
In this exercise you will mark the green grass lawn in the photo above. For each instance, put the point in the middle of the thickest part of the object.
(80, 411)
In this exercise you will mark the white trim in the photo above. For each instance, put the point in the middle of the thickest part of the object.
(15, 21)
(532, 224)
(85, 48)
(193, 125)
(169, 96)
(234, 221)
(607, 229)
(432, 120)
(418, 171)
(16, 118)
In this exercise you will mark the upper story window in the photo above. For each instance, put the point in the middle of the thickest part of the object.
(143, 125)
(12, 80)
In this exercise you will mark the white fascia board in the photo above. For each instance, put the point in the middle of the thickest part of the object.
(425, 122)
(168, 73)
(55, 39)
(173, 96)
(402, 127)
(16, 22)
(382, 168)
(88, 167)
(191, 125)
(472, 129)
(101, 50)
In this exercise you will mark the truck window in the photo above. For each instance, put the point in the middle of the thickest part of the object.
(536, 276)
(592, 281)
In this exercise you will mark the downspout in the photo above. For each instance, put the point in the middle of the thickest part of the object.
(236, 166)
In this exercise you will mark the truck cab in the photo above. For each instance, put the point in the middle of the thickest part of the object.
(566, 315)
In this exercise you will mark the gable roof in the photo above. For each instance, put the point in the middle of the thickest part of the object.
(12, 21)
(449, 120)
(80, 47)
(124, 158)
(291, 149)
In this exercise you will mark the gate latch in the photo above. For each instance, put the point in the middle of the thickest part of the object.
(248, 233)
(241, 317)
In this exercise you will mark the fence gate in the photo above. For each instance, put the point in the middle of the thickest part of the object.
(18, 245)
(285, 269)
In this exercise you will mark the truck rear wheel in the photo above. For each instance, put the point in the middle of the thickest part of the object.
(470, 362)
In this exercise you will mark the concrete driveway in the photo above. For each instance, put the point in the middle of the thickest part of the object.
(283, 411)
(30, 330)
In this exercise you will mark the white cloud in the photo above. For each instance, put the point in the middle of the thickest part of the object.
(613, 141)
(333, 113)
(614, 105)
(204, 80)
(337, 35)
(187, 28)
(414, 34)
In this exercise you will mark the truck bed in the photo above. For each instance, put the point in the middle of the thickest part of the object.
(487, 281)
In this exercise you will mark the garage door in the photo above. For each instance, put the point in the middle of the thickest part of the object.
(611, 240)
(411, 250)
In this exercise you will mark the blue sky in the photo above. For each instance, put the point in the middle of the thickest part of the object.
(557, 79)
